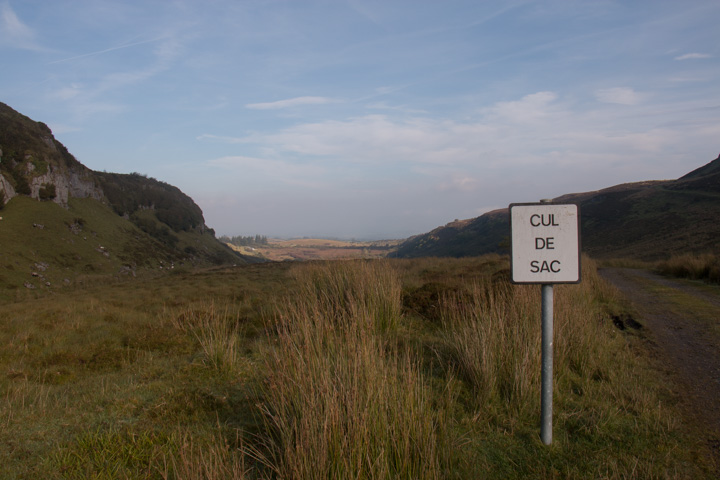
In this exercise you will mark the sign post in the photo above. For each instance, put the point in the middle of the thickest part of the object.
(545, 250)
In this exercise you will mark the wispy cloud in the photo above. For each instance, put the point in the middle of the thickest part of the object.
(461, 154)
(693, 56)
(618, 95)
(290, 102)
(14, 33)
(91, 95)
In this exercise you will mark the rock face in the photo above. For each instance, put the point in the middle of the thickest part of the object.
(34, 163)
(6, 189)
(67, 184)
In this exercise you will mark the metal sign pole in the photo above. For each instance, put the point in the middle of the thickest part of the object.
(546, 401)
(545, 250)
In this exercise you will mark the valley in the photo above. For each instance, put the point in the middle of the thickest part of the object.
(136, 344)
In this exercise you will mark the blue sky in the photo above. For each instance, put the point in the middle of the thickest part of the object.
(369, 119)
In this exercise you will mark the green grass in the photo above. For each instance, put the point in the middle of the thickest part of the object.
(50, 248)
(421, 368)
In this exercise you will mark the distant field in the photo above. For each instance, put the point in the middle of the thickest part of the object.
(318, 249)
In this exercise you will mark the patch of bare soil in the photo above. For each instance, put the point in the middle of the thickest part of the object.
(681, 320)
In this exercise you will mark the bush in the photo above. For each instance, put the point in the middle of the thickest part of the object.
(47, 192)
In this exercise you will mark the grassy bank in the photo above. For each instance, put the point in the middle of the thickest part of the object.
(364, 369)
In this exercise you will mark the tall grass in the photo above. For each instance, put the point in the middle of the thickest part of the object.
(216, 330)
(338, 401)
(193, 460)
(495, 342)
(494, 333)
(697, 267)
(352, 289)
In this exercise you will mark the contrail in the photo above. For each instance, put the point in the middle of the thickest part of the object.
(105, 51)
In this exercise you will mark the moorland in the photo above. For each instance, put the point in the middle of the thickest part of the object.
(422, 368)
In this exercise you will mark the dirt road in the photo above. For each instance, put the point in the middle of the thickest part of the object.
(682, 320)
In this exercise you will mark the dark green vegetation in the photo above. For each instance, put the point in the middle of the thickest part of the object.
(422, 368)
(62, 223)
(128, 194)
(646, 220)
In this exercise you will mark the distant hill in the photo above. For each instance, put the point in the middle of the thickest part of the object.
(645, 220)
(61, 221)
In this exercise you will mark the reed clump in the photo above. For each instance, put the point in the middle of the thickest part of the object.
(216, 330)
(339, 402)
(494, 337)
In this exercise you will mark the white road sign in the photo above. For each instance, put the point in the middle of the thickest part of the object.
(545, 243)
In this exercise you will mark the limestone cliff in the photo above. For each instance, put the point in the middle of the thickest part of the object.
(34, 163)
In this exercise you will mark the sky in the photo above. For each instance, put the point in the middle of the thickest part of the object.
(369, 119)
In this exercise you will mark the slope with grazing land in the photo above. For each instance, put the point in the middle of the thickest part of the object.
(644, 220)
(62, 223)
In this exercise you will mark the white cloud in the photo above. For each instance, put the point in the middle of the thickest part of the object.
(372, 138)
(290, 102)
(530, 108)
(219, 138)
(67, 93)
(534, 131)
(619, 95)
(460, 182)
(693, 56)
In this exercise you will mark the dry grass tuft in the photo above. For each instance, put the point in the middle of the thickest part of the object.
(697, 267)
(339, 402)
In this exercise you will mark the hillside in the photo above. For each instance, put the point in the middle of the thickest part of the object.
(62, 223)
(644, 220)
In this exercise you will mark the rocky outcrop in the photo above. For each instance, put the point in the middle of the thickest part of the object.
(34, 163)
(66, 184)
(6, 189)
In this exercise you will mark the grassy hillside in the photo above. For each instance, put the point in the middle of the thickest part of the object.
(363, 369)
(45, 247)
(646, 220)
(65, 224)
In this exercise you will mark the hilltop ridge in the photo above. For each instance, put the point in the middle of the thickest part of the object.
(645, 220)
